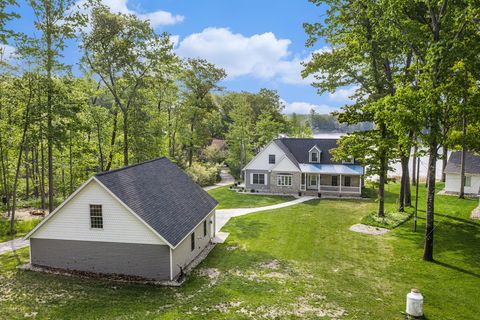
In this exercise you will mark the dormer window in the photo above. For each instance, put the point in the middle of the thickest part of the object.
(271, 159)
(314, 154)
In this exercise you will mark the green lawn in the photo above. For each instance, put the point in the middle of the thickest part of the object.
(297, 262)
(230, 199)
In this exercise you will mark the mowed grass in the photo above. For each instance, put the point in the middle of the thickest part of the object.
(231, 199)
(297, 262)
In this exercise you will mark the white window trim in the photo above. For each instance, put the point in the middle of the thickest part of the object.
(258, 184)
(274, 159)
(468, 181)
(282, 180)
(319, 154)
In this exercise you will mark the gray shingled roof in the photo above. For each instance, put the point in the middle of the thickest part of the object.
(472, 163)
(299, 148)
(162, 195)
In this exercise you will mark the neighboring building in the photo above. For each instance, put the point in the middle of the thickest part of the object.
(472, 173)
(290, 165)
(144, 220)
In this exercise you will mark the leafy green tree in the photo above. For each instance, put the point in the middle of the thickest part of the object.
(122, 50)
(240, 137)
(200, 79)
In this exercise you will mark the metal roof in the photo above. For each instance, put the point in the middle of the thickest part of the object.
(346, 169)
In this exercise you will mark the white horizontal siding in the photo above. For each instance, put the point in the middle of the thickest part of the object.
(72, 221)
(260, 162)
(452, 183)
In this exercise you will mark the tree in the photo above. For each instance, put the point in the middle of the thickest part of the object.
(122, 50)
(431, 30)
(200, 79)
(56, 20)
(362, 55)
(240, 135)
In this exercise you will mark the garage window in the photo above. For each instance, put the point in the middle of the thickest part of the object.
(96, 217)
(468, 181)
(205, 228)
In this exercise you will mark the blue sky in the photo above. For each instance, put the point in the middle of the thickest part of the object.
(259, 43)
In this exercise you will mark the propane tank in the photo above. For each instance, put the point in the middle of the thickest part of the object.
(415, 303)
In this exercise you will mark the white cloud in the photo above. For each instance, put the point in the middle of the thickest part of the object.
(263, 55)
(6, 52)
(305, 107)
(157, 18)
(343, 95)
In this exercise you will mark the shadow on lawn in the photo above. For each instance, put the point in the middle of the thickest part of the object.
(446, 265)
(247, 228)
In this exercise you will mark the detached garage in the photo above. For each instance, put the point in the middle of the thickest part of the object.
(146, 220)
(472, 173)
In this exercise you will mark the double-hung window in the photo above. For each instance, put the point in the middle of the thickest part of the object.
(347, 181)
(314, 156)
(96, 216)
(258, 178)
(467, 181)
(271, 159)
(284, 180)
(334, 181)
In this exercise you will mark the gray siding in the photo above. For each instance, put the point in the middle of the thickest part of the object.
(182, 255)
(142, 260)
(249, 184)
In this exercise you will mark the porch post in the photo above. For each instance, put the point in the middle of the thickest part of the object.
(318, 182)
(360, 185)
(340, 183)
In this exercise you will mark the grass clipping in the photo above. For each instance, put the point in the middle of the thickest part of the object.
(390, 221)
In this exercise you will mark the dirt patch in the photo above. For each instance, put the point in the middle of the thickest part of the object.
(211, 273)
(274, 264)
(25, 214)
(362, 228)
(231, 248)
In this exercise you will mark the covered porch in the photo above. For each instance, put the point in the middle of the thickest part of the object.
(332, 179)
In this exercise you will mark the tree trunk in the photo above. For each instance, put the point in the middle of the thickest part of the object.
(17, 169)
(382, 175)
(4, 177)
(403, 184)
(464, 152)
(125, 137)
(408, 192)
(27, 174)
(112, 141)
(100, 149)
(42, 173)
(414, 165)
(444, 161)
(430, 212)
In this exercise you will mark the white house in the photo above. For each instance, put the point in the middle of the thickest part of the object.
(294, 165)
(472, 173)
(146, 220)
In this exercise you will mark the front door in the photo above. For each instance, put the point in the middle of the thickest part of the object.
(312, 181)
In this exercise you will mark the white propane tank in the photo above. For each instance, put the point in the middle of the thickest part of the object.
(415, 303)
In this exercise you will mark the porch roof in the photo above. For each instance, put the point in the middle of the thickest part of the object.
(346, 169)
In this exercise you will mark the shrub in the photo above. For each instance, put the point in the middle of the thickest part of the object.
(390, 221)
(203, 174)
(252, 190)
(213, 154)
